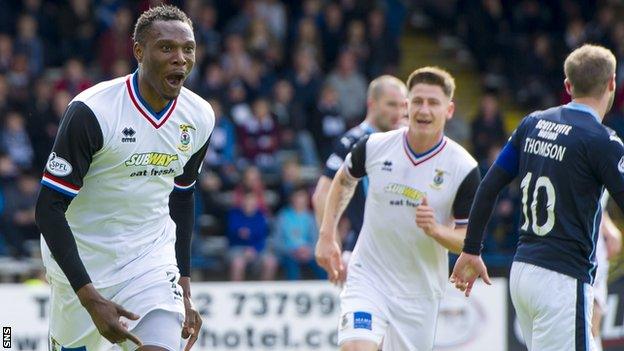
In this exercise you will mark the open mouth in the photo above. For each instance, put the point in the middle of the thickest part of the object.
(175, 79)
(423, 121)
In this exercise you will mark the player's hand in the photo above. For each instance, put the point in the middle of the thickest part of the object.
(105, 315)
(467, 269)
(425, 218)
(328, 256)
(192, 318)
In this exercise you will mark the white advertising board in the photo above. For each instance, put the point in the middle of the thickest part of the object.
(278, 316)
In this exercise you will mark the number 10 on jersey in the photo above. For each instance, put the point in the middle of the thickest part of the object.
(551, 198)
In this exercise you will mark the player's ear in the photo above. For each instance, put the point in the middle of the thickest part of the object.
(137, 49)
(612, 83)
(450, 110)
(568, 86)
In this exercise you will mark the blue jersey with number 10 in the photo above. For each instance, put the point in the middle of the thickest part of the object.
(565, 158)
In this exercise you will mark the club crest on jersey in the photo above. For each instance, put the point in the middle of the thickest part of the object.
(438, 179)
(185, 137)
(58, 166)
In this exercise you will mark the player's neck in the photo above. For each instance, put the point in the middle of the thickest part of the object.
(594, 103)
(420, 144)
(150, 95)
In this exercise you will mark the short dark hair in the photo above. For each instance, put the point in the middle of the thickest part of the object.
(159, 13)
(433, 76)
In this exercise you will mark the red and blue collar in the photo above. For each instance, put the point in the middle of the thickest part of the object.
(416, 158)
(156, 119)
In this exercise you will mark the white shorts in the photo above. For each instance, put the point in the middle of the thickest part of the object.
(155, 296)
(404, 324)
(554, 310)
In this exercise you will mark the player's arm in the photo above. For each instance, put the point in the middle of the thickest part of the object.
(78, 139)
(332, 165)
(469, 265)
(607, 157)
(340, 193)
(319, 197)
(182, 212)
(451, 237)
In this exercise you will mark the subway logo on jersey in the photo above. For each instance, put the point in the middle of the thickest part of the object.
(151, 159)
(406, 191)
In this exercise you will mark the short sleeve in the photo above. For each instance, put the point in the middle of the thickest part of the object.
(608, 156)
(79, 137)
(186, 180)
(465, 196)
(356, 159)
(337, 158)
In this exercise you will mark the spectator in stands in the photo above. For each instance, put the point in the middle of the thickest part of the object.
(295, 236)
(350, 86)
(14, 140)
(221, 154)
(77, 29)
(74, 78)
(384, 52)
(6, 53)
(248, 231)
(116, 42)
(28, 43)
(305, 78)
(487, 127)
(258, 137)
(39, 116)
(328, 123)
(332, 33)
(19, 213)
(206, 33)
(251, 182)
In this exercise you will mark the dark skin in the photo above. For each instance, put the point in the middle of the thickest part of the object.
(166, 57)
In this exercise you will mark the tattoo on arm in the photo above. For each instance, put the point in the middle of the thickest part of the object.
(345, 192)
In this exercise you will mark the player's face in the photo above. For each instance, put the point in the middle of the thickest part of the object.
(389, 108)
(167, 57)
(428, 109)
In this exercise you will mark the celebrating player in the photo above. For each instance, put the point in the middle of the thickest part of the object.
(565, 157)
(117, 238)
(385, 107)
(421, 185)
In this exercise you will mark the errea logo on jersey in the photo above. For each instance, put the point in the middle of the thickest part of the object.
(58, 166)
(151, 159)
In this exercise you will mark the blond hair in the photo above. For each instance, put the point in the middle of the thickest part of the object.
(589, 70)
(433, 76)
(377, 86)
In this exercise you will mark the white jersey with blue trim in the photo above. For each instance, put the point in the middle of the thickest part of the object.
(119, 161)
(392, 251)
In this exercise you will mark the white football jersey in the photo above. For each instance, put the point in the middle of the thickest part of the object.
(119, 161)
(392, 251)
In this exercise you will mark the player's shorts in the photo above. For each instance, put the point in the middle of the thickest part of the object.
(155, 296)
(554, 310)
(404, 324)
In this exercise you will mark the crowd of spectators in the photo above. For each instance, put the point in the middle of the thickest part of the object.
(285, 78)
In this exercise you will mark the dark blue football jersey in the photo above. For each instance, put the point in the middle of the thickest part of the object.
(564, 158)
(355, 209)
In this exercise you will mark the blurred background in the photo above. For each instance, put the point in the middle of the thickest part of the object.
(286, 79)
